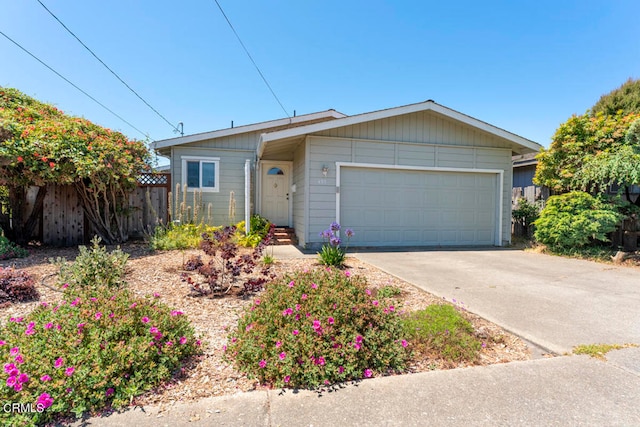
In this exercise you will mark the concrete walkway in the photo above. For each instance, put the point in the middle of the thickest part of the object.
(566, 390)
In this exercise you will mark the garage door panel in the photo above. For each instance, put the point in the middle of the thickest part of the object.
(411, 235)
(393, 217)
(467, 217)
(401, 207)
(449, 236)
(411, 216)
(467, 236)
(372, 180)
(449, 219)
(392, 198)
(484, 217)
(371, 216)
(371, 236)
(484, 235)
(467, 181)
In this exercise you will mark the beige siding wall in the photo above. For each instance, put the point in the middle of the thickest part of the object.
(420, 127)
(328, 151)
(231, 179)
(300, 181)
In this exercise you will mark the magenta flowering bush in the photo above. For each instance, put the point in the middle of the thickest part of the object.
(90, 352)
(317, 328)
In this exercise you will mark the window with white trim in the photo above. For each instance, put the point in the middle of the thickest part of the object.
(201, 173)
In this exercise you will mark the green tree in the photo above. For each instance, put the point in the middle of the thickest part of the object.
(591, 153)
(625, 99)
(40, 145)
(574, 220)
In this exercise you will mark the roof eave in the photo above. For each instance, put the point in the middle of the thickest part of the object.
(164, 143)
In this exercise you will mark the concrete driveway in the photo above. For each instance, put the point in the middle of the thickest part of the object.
(554, 302)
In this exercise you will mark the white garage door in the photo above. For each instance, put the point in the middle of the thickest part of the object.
(423, 208)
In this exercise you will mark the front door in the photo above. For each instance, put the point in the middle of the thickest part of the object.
(275, 193)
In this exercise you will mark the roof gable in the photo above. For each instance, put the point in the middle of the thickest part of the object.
(429, 105)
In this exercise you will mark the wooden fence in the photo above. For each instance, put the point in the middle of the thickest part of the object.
(532, 194)
(63, 222)
(149, 204)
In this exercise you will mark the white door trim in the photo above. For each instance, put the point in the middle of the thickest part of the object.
(268, 164)
(498, 172)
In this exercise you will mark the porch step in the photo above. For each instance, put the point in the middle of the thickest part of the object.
(284, 236)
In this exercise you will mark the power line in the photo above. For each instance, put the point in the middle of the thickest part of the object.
(251, 58)
(107, 67)
(73, 84)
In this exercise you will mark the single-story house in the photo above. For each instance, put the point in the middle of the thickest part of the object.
(416, 175)
(524, 169)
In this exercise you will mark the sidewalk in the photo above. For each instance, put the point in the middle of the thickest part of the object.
(567, 390)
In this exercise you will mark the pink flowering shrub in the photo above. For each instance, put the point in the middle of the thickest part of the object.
(317, 328)
(90, 352)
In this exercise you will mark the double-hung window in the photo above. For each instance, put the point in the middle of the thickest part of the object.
(201, 173)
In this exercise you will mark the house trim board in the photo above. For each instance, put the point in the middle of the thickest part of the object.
(391, 141)
(245, 129)
(307, 188)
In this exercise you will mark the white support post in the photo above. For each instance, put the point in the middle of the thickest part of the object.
(247, 196)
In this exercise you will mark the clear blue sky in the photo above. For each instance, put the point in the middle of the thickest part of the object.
(522, 66)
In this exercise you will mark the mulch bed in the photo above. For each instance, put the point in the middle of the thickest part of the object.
(210, 375)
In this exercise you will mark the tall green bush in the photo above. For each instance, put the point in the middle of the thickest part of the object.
(93, 268)
(575, 219)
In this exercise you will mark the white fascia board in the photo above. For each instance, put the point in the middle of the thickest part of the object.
(260, 148)
(416, 168)
(398, 111)
(347, 121)
(245, 129)
(479, 124)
